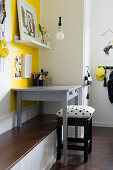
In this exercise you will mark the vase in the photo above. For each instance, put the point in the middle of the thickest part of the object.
(41, 39)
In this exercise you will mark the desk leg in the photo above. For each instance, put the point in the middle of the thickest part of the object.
(65, 132)
(76, 103)
(19, 109)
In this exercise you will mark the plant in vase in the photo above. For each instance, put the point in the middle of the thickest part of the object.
(42, 32)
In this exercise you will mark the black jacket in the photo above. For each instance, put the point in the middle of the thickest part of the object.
(110, 87)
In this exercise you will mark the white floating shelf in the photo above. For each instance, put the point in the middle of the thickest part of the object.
(33, 44)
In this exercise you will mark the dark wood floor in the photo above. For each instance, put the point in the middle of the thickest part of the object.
(16, 143)
(101, 157)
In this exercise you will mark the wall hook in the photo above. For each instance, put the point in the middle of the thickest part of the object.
(107, 32)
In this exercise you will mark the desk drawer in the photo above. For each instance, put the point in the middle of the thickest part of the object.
(72, 94)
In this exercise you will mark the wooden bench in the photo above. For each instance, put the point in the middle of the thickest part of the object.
(18, 142)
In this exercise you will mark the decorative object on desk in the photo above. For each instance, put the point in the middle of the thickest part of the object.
(44, 73)
(39, 78)
(27, 21)
(4, 51)
(48, 81)
(46, 78)
(35, 82)
(43, 76)
(42, 82)
(42, 33)
(100, 73)
(60, 34)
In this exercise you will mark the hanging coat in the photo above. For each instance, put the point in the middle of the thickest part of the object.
(110, 87)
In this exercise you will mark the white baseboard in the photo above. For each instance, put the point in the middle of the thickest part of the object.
(103, 124)
(51, 162)
(9, 121)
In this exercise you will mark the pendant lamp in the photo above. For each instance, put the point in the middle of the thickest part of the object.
(60, 35)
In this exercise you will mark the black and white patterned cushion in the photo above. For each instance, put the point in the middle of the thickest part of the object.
(77, 111)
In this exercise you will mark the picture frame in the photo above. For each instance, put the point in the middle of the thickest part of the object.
(27, 21)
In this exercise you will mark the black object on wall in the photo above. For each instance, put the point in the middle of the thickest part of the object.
(106, 67)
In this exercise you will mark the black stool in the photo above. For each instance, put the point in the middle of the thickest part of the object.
(75, 143)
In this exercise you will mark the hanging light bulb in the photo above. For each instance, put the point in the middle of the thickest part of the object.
(60, 35)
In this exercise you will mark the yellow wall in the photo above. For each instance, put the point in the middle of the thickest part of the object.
(18, 50)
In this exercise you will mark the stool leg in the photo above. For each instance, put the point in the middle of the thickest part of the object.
(59, 141)
(76, 131)
(86, 142)
(90, 136)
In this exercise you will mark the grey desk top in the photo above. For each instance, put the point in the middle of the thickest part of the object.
(48, 88)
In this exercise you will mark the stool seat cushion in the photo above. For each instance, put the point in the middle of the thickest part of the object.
(77, 111)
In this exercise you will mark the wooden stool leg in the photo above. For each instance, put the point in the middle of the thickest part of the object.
(86, 129)
(90, 136)
(59, 141)
(76, 131)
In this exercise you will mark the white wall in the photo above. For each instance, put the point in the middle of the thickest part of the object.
(5, 73)
(102, 12)
(86, 45)
(87, 27)
(8, 119)
(65, 60)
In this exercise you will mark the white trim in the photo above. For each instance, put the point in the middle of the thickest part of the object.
(51, 162)
(10, 120)
(103, 124)
(13, 113)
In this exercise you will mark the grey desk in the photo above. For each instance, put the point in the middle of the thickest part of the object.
(48, 93)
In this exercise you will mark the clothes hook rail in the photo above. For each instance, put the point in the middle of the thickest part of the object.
(106, 67)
